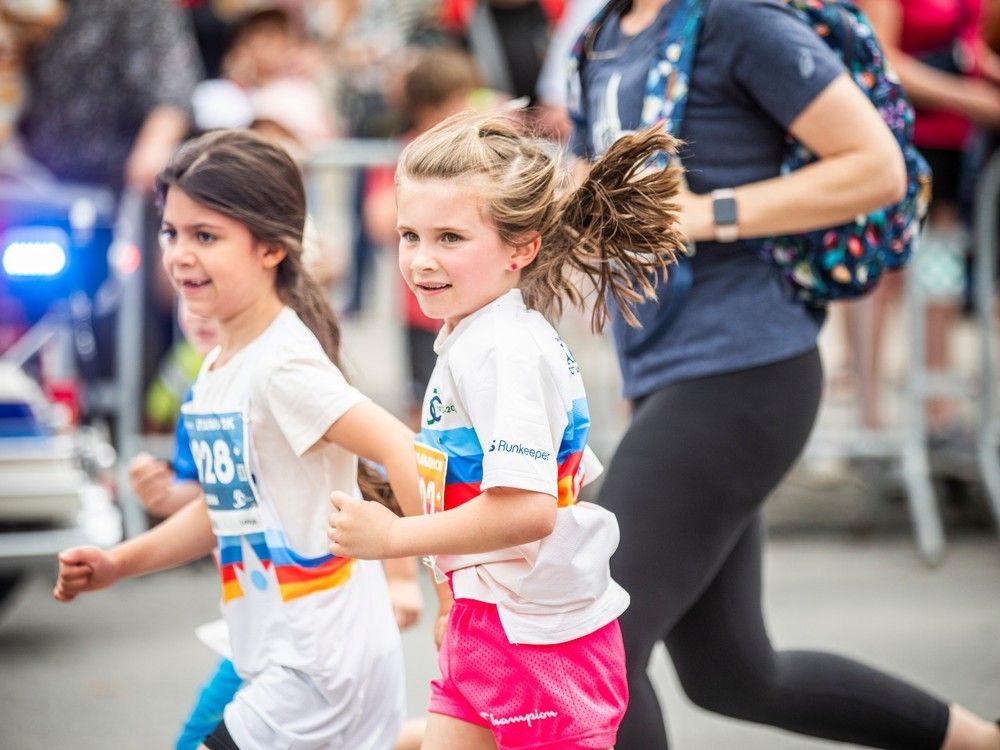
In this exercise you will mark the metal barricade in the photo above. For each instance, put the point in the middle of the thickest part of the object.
(127, 256)
(908, 445)
(987, 247)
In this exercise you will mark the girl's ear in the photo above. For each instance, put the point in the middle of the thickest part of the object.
(523, 254)
(273, 255)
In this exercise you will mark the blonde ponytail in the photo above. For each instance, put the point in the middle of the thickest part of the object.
(618, 229)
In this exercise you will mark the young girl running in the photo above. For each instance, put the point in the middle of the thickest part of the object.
(532, 653)
(273, 427)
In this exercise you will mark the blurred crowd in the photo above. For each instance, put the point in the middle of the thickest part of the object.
(102, 91)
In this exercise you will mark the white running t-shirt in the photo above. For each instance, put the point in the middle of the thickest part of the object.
(295, 612)
(505, 407)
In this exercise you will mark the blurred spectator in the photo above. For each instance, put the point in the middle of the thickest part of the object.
(551, 87)
(270, 88)
(507, 38)
(110, 87)
(442, 82)
(109, 100)
(366, 42)
(270, 59)
(177, 372)
(953, 80)
(20, 22)
(211, 32)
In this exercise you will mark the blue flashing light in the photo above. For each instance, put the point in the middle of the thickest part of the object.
(34, 251)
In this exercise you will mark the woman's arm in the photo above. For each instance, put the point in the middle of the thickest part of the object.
(498, 518)
(185, 536)
(860, 168)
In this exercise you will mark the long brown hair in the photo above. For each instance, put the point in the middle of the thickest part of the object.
(249, 179)
(618, 228)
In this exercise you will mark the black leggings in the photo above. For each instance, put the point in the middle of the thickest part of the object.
(687, 484)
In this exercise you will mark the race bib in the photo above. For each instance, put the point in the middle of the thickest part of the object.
(432, 466)
(220, 448)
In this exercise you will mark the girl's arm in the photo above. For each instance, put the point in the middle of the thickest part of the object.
(371, 432)
(185, 536)
(860, 168)
(499, 517)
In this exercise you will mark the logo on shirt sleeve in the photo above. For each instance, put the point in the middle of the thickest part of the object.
(505, 447)
(807, 65)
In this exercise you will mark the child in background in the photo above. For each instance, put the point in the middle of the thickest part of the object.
(272, 425)
(165, 488)
(532, 654)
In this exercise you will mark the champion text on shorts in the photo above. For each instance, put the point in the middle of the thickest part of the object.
(501, 721)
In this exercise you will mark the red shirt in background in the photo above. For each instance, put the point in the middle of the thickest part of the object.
(929, 26)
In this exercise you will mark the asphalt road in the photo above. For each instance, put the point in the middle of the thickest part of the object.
(118, 669)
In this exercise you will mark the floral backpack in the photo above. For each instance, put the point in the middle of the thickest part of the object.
(840, 262)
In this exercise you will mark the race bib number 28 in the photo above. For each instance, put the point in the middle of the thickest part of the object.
(219, 446)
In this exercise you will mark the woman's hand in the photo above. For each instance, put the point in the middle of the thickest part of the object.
(696, 220)
(84, 569)
(360, 529)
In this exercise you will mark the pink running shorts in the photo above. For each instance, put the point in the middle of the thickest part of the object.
(563, 696)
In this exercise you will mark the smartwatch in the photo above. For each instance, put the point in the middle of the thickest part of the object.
(724, 215)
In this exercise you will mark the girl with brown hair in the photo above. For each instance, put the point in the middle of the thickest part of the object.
(491, 244)
(273, 427)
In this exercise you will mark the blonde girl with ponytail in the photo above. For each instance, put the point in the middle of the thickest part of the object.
(494, 240)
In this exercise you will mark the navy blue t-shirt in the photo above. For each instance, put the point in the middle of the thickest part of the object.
(756, 68)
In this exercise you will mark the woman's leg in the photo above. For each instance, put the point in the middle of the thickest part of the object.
(726, 664)
(687, 478)
(687, 483)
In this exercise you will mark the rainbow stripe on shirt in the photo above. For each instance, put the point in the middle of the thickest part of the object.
(465, 458)
(296, 575)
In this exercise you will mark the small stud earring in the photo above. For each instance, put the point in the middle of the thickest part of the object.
(513, 266)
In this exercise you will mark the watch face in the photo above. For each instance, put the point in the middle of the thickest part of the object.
(724, 211)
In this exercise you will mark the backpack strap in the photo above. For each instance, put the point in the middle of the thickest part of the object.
(664, 100)
(668, 81)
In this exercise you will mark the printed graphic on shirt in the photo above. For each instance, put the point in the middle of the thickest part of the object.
(219, 446)
(607, 125)
(464, 466)
(294, 575)
(437, 408)
(572, 366)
